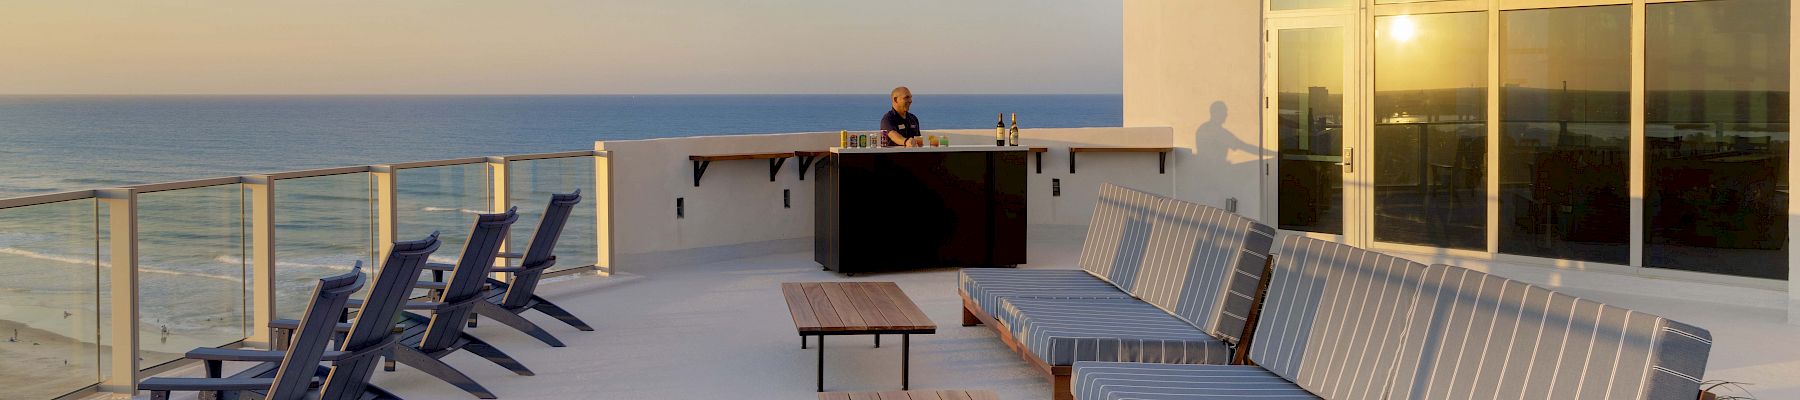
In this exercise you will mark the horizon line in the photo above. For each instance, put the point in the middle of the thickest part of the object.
(553, 94)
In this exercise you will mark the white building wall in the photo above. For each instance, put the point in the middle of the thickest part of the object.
(1193, 66)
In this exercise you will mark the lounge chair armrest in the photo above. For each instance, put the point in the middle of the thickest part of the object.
(199, 384)
(235, 355)
(442, 285)
(367, 351)
(509, 255)
(291, 324)
(422, 305)
(438, 307)
(440, 266)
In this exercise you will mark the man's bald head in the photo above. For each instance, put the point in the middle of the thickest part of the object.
(902, 98)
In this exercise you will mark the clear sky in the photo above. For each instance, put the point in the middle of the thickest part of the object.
(558, 47)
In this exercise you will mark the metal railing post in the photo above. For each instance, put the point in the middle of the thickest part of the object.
(387, 209)
(121, 206)
(262, 283)
(498, 187)
(603, 229)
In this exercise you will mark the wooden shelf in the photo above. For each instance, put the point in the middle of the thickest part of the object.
(1162, 155)
(702, 161)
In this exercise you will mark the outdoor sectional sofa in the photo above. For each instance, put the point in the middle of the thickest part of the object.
(1161, 281)
(1341, 322)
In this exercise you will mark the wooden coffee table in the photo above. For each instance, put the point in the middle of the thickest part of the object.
(856, 308)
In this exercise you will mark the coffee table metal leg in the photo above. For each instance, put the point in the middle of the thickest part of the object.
(877, 341)
(821, 363)
(803, 342)
(905, 362)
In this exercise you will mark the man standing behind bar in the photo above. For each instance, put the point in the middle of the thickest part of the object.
(899, 126)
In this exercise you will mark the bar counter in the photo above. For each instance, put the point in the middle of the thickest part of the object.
(883, 209)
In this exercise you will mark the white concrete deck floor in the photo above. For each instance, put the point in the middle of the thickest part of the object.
(722, 330)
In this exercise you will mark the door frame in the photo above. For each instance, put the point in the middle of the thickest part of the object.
(1355, 196)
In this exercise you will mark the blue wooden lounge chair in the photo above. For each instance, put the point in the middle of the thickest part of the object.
(358, 344)
(426, 339)
(297, 366)
(508, 301)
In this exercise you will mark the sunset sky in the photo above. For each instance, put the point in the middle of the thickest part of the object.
(558, 47)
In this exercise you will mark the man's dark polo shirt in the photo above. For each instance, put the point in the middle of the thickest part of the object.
(907, 126)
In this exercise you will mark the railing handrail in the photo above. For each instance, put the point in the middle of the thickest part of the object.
(31, 200)
(311, 173)
(41, 199)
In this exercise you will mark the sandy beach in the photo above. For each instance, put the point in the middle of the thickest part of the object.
(44, 365)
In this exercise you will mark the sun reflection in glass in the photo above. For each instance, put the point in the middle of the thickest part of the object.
(1403, 29)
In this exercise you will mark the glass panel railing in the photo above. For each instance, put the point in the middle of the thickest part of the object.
(192, 271)
(443, 199)
(50, 298)
(531, 183)
(323, 226)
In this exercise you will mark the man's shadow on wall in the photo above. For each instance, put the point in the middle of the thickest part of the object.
(1213, 141)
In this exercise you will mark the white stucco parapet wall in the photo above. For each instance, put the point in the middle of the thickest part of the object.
(737, 210)
(948, 149)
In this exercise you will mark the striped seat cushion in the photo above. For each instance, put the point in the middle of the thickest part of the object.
(1063, 331)
(1335, 317)
(988, 286)
(1117, 234)
(1119, 381)
(1498, 336)
(1204, 265)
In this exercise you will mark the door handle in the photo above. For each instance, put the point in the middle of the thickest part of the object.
(1349, 160)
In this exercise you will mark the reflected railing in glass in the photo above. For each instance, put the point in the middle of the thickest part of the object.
(323, 226)
(531, 182)
(193, 271)
(51, 319)
(1431, 185)
(443, 199)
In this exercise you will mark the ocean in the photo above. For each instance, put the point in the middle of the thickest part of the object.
(192, 243)
(59, 143)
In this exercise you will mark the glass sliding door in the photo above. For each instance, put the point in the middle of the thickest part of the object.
(1430, 136)
(1565, 104)
(1308, 124)
(1716, 137)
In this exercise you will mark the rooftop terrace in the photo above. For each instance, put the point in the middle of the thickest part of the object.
(686, 307)
(720, 330)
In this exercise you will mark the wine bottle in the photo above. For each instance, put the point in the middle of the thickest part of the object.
(1013, 134)
(1000, 129)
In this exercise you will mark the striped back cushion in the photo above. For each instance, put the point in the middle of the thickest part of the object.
(1493, 335)
(1334, 317)
(1117, 234)
(1204, 265)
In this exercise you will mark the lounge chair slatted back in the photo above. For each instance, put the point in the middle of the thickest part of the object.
(541, 253)
(1204, 266)
(465, 284)
(1335, 317)
(349, 379)
(301, 360)
(1118, 234)
(1493, 335)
